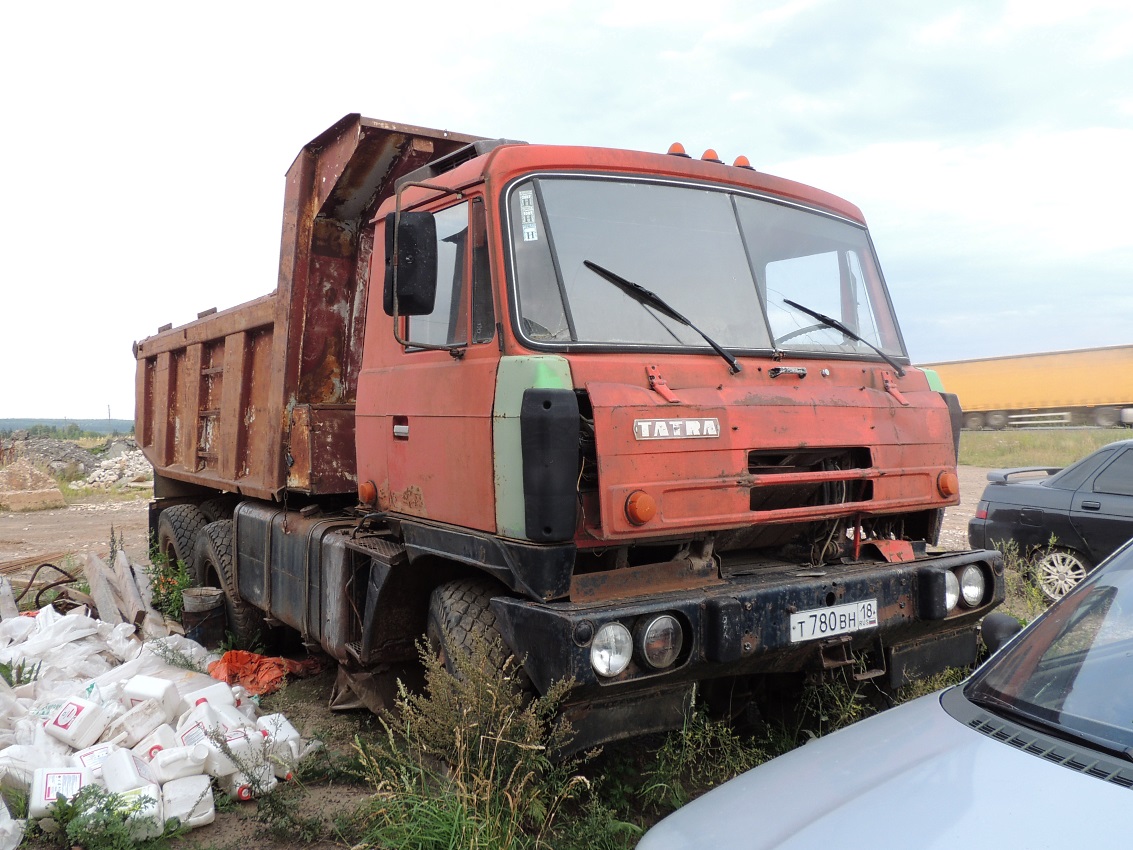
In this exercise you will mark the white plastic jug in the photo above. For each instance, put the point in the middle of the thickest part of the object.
(242, 750)
(218, 693)
(136, 723)
(147, 819)
(177, 762)
(196, 725)
(50, 782)
(233, 718)
(77, 722)
(285, 743)
(140, 688)
(245, 785)
(190, 800)
(123, 771)
(92, 758)
(161, 738)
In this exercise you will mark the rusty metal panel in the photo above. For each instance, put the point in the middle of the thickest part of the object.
(220, 414)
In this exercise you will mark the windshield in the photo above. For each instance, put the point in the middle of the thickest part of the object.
(1074, 668)
(725, 261)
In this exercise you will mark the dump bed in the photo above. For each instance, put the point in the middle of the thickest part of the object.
(260, 398)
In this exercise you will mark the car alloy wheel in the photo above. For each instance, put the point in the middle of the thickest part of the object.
(1058, 571)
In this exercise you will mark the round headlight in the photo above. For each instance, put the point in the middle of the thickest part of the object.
(951, 590)
(611, 650)
(660, 641)
(972, 585)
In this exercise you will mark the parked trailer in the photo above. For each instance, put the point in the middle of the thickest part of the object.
(587, 401)
(1089, 386)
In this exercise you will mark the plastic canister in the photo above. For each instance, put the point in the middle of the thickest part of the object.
(146, 818)
(123, 771)
(244, 785)
(136, 723)
(140, 688)
(195, 725)
(48, 783)
(179, 761)
(233, 718)
(285, 743)
(190, 800)
(161, 738)
(242, 750)
(92, 758)
(215, 694)
(77, 722)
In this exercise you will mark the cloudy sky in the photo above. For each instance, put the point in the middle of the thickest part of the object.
(988, 144)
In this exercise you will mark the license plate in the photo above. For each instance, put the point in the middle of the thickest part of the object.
(837, 620)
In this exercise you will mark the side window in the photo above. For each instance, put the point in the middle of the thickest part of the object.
(462, 251)
(448, 323)
(1117, 478)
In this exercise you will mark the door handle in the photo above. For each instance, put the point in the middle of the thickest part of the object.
(1091, 506)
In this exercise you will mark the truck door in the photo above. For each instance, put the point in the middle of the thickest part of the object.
(438, 403)
(1102, 509)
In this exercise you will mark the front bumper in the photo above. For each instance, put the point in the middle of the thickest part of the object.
(741, 625)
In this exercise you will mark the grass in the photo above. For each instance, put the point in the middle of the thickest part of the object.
(1054, 447)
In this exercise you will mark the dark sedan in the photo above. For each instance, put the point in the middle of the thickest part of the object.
(1064, 521)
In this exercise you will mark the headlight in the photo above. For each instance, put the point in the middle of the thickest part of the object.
(660, 641)
(611, 650)
(951, 590)
(972, 585)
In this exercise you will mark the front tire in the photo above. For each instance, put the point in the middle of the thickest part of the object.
(214, 566)
(460, 617)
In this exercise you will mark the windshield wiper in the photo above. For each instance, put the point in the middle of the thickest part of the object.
(838, 326)
(643, 296)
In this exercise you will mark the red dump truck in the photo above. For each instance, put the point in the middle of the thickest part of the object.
(649, 419)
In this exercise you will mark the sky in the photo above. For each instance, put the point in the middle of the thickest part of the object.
(145, 146)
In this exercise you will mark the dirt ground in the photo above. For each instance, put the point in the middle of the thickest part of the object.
(82, 528)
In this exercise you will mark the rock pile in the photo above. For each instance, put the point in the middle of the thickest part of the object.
(58, 457)
(128, 467)
(25, 488)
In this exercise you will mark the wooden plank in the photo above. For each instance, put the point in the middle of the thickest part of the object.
(102, 590)
(127, 589)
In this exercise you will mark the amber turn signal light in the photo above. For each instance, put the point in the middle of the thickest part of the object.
(948, 484)
(367, 493)
(640, 507)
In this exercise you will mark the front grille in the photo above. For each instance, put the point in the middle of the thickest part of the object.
(802, 478)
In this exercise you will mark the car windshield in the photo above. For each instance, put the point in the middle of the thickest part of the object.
(725, 261)
(1073, 669)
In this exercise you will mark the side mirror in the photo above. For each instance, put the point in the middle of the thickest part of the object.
(998, 628)
(415, 271)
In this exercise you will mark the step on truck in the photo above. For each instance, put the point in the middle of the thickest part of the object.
(647, 418)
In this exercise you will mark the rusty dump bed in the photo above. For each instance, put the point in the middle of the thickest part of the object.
(260, 398)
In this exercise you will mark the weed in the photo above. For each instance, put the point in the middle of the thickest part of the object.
(1024, 599)
(470, 763)
(167, 579)
(702, 754)
(930, 684)
(175, 657)
(97, 819)
(19, 672)
(279, 811)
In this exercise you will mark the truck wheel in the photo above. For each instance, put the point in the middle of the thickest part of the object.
(214, 566)
(1106, 417)
(996, 420)
(177, 529)
(1058, 571)
(973, 421)
(460, 616)
(220, 507)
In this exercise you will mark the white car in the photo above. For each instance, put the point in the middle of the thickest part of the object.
(1034, 750)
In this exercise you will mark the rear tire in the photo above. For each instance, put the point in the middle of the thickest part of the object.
(460, 616)
(1058, 571)
(220, 507)
(177, 529)
(1106, 417)
(214, 566)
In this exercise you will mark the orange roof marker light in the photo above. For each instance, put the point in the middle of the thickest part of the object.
(677, 149)
(710, 155)
(743, 162)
